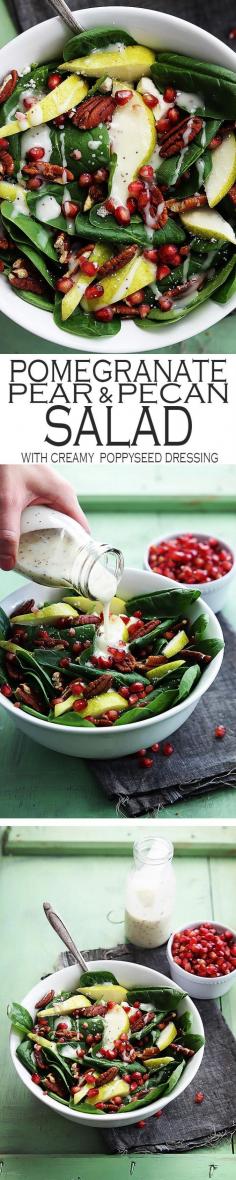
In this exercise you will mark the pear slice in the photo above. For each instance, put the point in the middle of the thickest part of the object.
(73, 297)
(116, 1022)
(175, 645)
(208, 224)
(110, 1090)
(95, 607)
(167, 1036)
(71, 1005)
(158, 1062)
(96, 706)
(105, 991)
(132, 277)
(126, 63)
(64, 706)
(55, 610)
(163, 670)
(147, 86)
(57, 102)
(223, 171)
(132, 137)
(9, 192)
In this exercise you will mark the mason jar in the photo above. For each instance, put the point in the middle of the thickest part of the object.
(150, 893)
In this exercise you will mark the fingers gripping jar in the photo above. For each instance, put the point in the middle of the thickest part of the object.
(150, 893)
(56, 550)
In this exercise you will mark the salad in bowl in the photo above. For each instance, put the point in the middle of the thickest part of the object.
(118, 184)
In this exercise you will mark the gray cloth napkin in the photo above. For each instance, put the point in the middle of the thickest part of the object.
(183, 1125)
(212, 17)
(200, 762)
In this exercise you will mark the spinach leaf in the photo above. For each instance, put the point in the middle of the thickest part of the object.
(58, 222)
(27, 659)
(88, 978)
(39, 76)
(209, 647)
(199, 297)
(146, 640)
(20, 1017)
(189, 678)
(4, 624)
(198, 628)
(34, 257)
(109, 230)
(215, 83)
(71, 719)
(39, 235)
(159, 702)
(84, 324)
(99, 38)
(163, 603)
(26, 1055)
(228, 289)
(42, 301)
(171, 169)
(94, 147)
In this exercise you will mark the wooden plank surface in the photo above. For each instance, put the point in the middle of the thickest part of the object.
(116, 839)
(202, 1167)
(50, 785)
(89, 893)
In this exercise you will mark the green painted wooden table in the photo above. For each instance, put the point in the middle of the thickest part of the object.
(219, 339)
(38, 783)
(69, 868)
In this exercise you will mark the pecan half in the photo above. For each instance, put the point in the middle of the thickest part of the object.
(186, 131)
(108, 1075)
(193, 284)
(45, 1000)
(187, 203)
(26, 283)
(101, 684)
(49, 172)
(124, 661)
(119, 260)
(8, 86)
(63, 247)
(7, 166)
(94, 110)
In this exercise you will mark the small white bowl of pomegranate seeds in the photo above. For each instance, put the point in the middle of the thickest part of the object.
(202, 959)
(194, 559)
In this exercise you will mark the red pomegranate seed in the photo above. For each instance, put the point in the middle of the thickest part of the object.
(135, 188)
(85, 179)
(131, 204)
(122, 215)
(95, 292)
(4, 145)
(35, 153)
(167, 749)
(199, 1097)
(36, 1078)
(134, 300)
(28, 102)
(141, 1123)
(146, 172)
(146, 763)
(163, 272)
(105, 314)
(123, 96)
(151, 254)
(89, 268)
(101, 175)
(34, 183)
(150, 100)
(220, 731)
(173, 115)
(6, 690)
(232, 35)
(78, 706)
(70, 208)
(165, 304)
(53, 81)
(169, 94)
(156, 747)
(162, 125)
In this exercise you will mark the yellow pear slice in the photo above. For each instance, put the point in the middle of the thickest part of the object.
(65, 1006)
(132, 277)
(147, 86)
(158, 1062)
(9, 192)
(164, 670)
(208, 224)
(57, 610)
(74, 296)
(132, 137)
(167, 1036)
(95, 607)
(176, 644)
(65, 96)
(116, 1022)
(109, 1091)
(127, 64)
(96, 706)
(105, 991)
(223, 171)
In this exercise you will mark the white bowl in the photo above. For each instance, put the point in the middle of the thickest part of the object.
(126, 973)
(198, 986)
(154, 29)
(126, 739)
(214, 593)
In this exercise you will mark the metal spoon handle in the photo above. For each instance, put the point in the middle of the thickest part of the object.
(62, 8)
(63, 933)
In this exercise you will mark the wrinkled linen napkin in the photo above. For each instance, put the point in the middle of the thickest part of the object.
(200, 763)
(215, 18)
(183, 1125)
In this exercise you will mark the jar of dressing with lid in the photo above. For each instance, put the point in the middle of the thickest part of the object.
(56, 550)
(150, 893)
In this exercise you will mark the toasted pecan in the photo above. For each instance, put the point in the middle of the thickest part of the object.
(7, 166)
(92, 111)
(8, 85)
(96, 687)
(118, 261)
(26, 282)
(183, 134)
(187, 203)
(49, 172)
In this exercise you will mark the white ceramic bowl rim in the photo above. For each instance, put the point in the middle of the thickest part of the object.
(203, 684)
(201, 537)
(115, 965)
(151, 28)
(204, 979)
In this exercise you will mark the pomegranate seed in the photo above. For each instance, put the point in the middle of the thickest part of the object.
(70, 208)
(34, 183)
(167, 749)
(35, 153)
(123, 96)
(105, 314)
(232, 35)
(28, 102)
(85, 179)
(65, 662)
(110, 205)
(135, 188)
(131, 204)
(220, 731)
(36, 1078)
(94, 292)
(158, 1114)
(53, 81)
(144, 310)
(163, 272)
(162, 125)
(59, 121)
(199, 1096)
(165, 304)
(141, 1123)
(156, 747)
(169, 94)
(167, 253)
(150, 100)
(122, 215)
(101, 175)
(134, 300)
(173, 115)
(152, 255)
(146, 172)
(6, 690)
(89, 268)
(4, 145)
(64, 285)
(146, 762)
(78, 706)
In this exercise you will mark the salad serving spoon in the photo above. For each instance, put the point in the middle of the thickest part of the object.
(63, 933)
(64, 11)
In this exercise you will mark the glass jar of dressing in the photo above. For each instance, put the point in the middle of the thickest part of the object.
(150, 893)
(56, 550)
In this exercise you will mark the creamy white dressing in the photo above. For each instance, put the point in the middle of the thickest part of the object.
(200, 166)
(47, 208)
(150, 898)
(37, 137)
(55, 550)
(189, 102)
(19, 205)
(179, 165)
